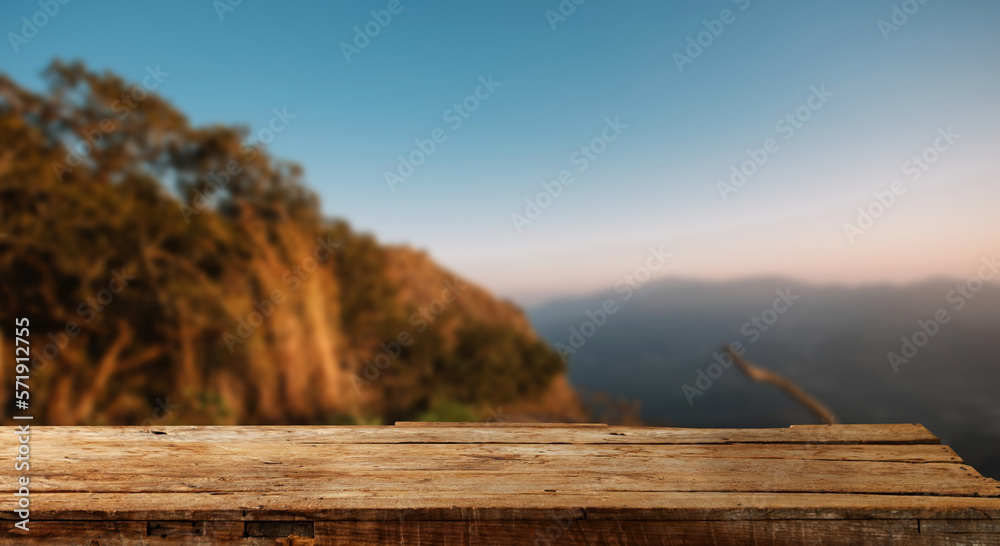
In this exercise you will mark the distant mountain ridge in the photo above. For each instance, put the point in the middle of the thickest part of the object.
(833, 341)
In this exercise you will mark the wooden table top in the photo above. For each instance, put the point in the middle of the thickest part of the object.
(433, 483)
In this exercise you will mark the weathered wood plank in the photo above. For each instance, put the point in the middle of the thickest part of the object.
(450, 456)
(104, 533)
(78, 532)
(567, 529)
(588, 532)
(190, 531)
(931, 526)
(499, 483)
(436, 505)
(146, 465)
(278, 528)
(485, 434)
(749, 475)
(971, 539)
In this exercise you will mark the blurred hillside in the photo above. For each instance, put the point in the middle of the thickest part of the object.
(174, 274)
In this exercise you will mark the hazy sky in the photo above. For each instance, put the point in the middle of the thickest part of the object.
(893, 89)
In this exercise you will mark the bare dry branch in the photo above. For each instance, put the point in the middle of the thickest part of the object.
(767, 376)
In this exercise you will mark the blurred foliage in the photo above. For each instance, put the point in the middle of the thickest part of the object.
(99, 188)
(450, 412)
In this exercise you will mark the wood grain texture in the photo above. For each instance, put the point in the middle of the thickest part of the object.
(587, 533)
(505, 434)
(435, 483)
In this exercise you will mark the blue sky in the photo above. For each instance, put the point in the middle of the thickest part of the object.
(655, 184)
